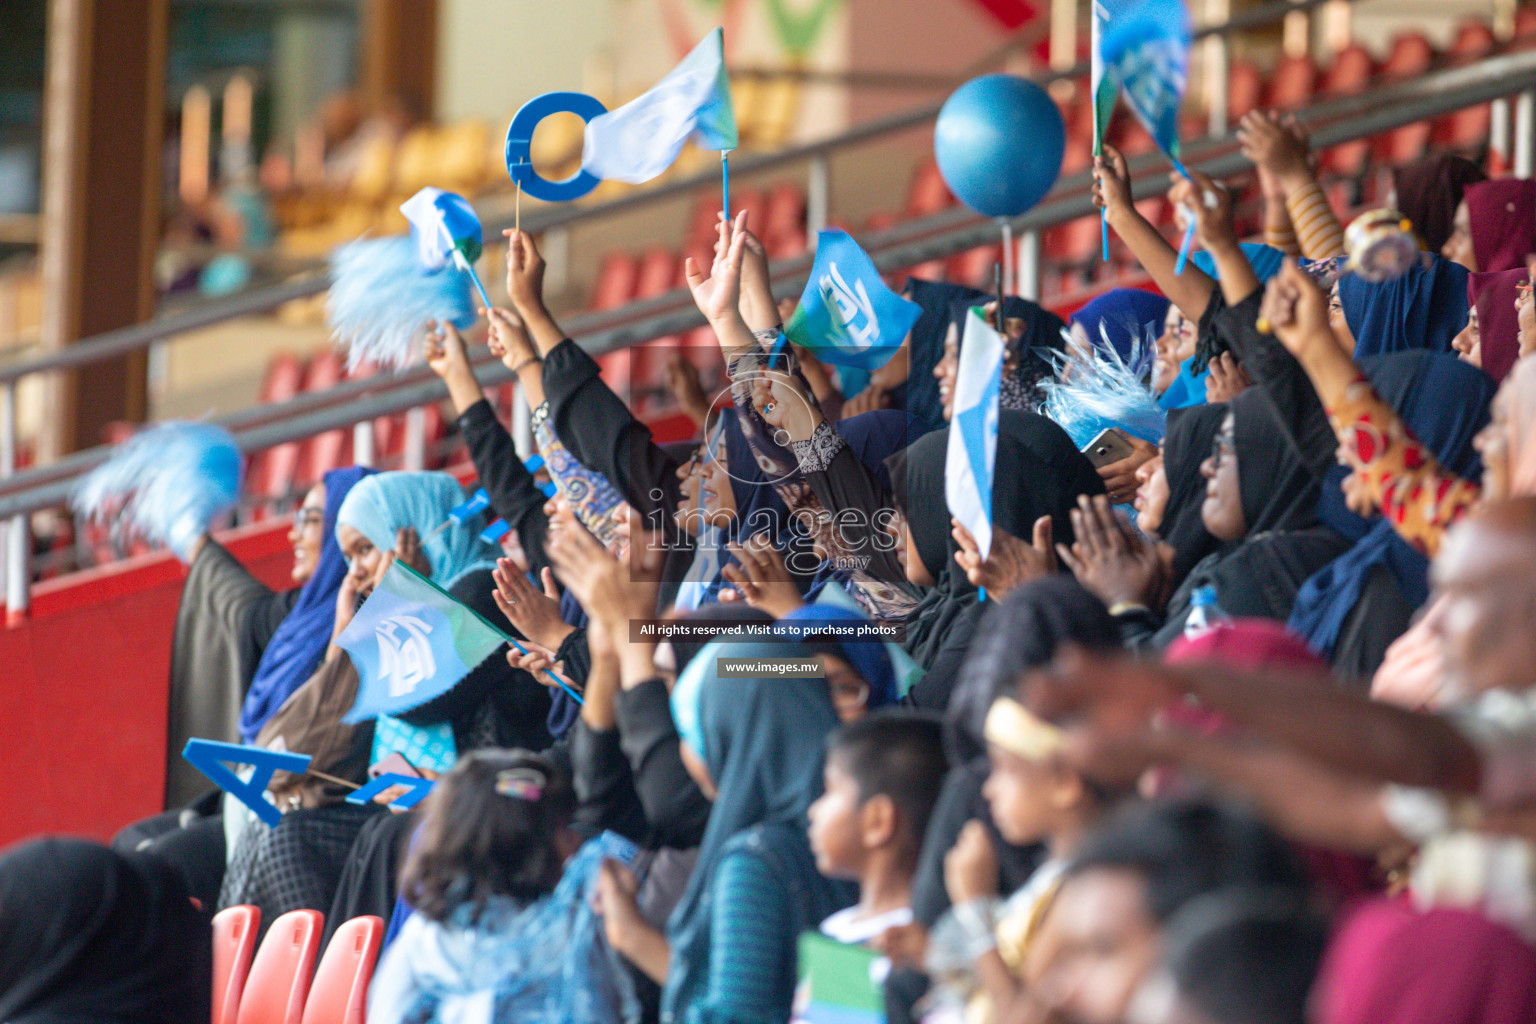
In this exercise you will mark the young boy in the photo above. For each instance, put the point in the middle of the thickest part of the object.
(882, 778)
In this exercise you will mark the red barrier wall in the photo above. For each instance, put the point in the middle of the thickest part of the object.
(83, 687)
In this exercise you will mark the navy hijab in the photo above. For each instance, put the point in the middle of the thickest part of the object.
(1120, 318)
(1444, 403)
(1425, 308)
(301, 639)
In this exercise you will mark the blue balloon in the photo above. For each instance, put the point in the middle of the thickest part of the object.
(999, 142)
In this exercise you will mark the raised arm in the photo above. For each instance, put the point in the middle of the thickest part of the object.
(1191, 290)
(1279, 148)
(1395, 469)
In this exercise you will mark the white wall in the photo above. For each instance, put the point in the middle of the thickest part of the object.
(494, 55)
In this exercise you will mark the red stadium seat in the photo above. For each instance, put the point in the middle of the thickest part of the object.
(616, 281)
(974, 266)
(278, 983)
(1473, 39)
(1245, 89)
(332, 449)
(1411, 54)
(657, 274)
(1350, 70)
(928, 193)
(340, 992)
(234, 943)
(1291, 84)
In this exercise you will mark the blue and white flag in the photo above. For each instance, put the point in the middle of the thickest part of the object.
(1143, 46)
(972, 456)
(411, 642)
(444, 227)
(847, 316)
(642, 138)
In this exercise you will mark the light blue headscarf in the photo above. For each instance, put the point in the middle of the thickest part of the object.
(380, 506)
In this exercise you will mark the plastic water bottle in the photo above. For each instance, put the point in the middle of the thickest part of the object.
(1204, 613)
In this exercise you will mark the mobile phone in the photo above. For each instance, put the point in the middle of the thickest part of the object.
(395, 763)
(1110, 446)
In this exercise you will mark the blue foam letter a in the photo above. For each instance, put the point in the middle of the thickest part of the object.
(208, 757)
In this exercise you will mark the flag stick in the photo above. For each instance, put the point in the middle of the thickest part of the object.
(725, 183)
(462, 262)
(331, 778)
(517, 208)
(549, 672)
(1189, 229)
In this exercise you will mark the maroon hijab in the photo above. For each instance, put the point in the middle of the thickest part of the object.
(1390, 964)
(1503, 218)
(1498, 328)
(1428, 193)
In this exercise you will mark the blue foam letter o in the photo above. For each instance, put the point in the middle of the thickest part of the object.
(520, 136)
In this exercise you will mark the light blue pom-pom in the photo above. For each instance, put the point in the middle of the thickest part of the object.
(167, 484)
(1097, 389)
(381, 299)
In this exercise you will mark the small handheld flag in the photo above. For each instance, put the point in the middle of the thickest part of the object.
(167, 484)
(492, 534)
(1104, 90)
(847, 315)
(972, 455)
(446, 231)
(411, 642)
(641, 139)
(1142, 47)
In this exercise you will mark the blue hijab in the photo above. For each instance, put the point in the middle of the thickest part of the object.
(1121, 316)
(383, 504)
(764, 742)
(299, 642)
(1444, 403)
(1425, 308)
(1188, 388)
(1264, 259)
(869, 658)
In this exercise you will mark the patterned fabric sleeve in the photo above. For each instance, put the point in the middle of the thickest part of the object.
(816, 454)
(1418, 496)
(1317, 229)
(589, 493)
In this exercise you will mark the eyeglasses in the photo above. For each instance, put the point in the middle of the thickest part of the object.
(1224, 441)
(307, 517)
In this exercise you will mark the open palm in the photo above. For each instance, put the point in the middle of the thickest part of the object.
(718, 293)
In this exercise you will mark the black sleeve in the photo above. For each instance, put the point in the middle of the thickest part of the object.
(512, 490)
(1282, 379)
(675, 808)
(600, 431)
(604, 786)
(577, 657)
(1138, 628)
(931, 693)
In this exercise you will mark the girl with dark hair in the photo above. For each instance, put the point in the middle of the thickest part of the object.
(503, 928)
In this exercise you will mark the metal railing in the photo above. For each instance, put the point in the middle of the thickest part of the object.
(358, 402)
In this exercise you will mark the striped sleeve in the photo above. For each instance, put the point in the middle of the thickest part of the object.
(752, 958)
(1317, 229)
